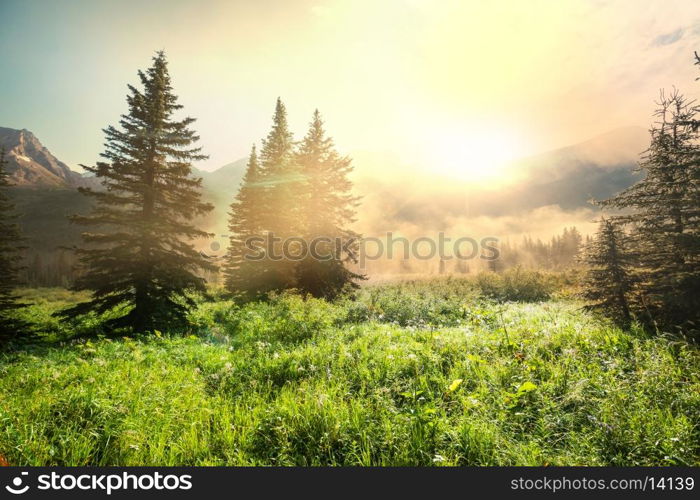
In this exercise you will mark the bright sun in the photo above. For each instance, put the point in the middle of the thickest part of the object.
(479, 157)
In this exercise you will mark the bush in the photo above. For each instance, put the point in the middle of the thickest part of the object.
(440, 302)
(287, 317)
(516, 285)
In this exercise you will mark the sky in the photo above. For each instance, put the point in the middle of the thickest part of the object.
(458, 86)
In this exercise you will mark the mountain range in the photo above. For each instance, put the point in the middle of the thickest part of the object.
(568, 178)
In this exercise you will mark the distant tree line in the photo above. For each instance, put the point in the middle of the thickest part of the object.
(48, 269)
(47, 259)
(559, 253)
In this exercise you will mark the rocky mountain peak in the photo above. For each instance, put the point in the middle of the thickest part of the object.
(30, 164)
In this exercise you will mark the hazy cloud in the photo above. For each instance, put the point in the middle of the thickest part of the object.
(668, 38)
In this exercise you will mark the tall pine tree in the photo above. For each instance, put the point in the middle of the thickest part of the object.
(10, 238)
(326, 210)
(140, 253)
(243, 275)
(609, 280)
(279, 196)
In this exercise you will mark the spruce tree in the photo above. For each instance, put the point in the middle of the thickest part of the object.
(326, 210)
(242, 274)
(664, 211)
(10, 239)
(278, 207)
(139, 252)
(609, 280)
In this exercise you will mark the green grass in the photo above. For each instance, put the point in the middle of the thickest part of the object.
(423, 373)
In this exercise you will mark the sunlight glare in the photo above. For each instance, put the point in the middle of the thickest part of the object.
(476, 156)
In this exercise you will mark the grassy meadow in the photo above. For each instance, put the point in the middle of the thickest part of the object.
(492, 370)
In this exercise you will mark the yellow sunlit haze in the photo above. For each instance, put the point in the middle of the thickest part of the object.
(454, 87)
(460, 88)
(480, 156)
(452, 81)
